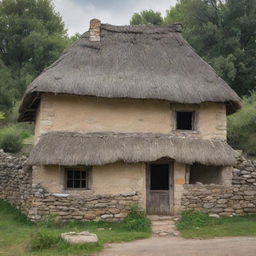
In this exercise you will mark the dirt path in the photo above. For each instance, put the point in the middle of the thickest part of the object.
(162, 246)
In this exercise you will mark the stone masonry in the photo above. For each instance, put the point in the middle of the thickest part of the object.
(37, 203)
(237, 199)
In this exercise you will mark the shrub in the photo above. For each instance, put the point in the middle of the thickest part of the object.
(6, 209)
(136, 220)
(11, 142)
(44, 239)
(193, 219)
(242, 126)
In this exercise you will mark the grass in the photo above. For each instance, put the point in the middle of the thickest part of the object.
(20, 237)
(199, 225)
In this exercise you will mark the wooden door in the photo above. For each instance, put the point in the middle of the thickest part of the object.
(159, 189)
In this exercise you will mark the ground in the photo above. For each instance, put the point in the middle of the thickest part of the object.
(19, 237)
(232, 246)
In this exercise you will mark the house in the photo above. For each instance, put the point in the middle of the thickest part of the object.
(129, 110)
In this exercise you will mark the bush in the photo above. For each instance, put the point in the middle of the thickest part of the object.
(11, 142)
(6, 209)
(44, 239)
(193, 219)
(136, 220)
(242, 126)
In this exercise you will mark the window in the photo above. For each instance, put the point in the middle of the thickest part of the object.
(159, 177)
(185, 120)
(205, 174)
(77, 178)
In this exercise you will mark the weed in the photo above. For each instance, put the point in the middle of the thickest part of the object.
(136, 220)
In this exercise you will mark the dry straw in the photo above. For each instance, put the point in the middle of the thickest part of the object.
(71, 148)
(141, 62)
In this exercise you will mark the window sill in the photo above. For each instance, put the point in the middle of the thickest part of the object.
(78, 191)
(186, 131)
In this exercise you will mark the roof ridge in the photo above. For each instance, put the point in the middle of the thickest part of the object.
(143, 29)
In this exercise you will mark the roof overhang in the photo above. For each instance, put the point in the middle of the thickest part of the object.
(72, 148)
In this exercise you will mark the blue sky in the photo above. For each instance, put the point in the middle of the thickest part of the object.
(77, 13)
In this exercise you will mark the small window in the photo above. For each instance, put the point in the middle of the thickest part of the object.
(77, 178)
(184, 120)
(159, 177)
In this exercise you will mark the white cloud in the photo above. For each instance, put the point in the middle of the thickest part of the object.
(77, 13)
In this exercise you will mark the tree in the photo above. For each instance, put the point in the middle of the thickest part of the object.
(242, 126)
(224, 34)
(32, 36)
(147, 17)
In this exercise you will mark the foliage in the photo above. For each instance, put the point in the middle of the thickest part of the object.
(8, 209)
(2, 116)
(242, 126)
(193, 219)
(195, 224)
(11, 137)
(11, 142)
(32, 36)
(223, 33)
(18, 235)
(136, 220)
(147, 17)
(44, 239)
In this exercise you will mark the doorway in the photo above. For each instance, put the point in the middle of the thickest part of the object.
(159, 189)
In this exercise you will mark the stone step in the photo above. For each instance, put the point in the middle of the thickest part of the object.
(163, 223)
(159, 217)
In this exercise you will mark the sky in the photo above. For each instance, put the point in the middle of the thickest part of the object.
(77, 13)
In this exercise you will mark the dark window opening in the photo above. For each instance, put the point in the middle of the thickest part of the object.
(159, 177)
(184, 120)
(76, 178)
(205, 174)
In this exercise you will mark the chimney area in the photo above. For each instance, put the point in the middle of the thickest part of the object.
(95, 30)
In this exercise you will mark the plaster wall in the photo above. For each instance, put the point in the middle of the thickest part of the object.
(91, 114)
(179, 181)
(113, 179)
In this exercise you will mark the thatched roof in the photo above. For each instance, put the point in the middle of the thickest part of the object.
(142, 62)
(72, 148)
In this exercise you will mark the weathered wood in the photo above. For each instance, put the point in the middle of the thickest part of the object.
(160, 202)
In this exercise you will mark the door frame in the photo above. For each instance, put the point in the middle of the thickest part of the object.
(171, 182)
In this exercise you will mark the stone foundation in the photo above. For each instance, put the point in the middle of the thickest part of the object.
(219, 199)
(68, 207)
(225, 200)
(16, 188)
(37, 203)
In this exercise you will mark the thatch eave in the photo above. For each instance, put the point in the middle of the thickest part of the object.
(72, 148)
(140, 62)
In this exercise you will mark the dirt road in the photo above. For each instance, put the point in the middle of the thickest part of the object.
(157, 246)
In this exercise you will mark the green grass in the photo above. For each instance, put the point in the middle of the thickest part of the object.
(199, 225)
(19, 237)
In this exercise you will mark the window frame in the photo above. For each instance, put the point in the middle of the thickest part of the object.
(86, 169)
(193, 120)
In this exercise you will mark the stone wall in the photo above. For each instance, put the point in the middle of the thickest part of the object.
(236, 199)
(219, 199)
(16, 187)
(70, 207)
(245, 172)
(15, 183)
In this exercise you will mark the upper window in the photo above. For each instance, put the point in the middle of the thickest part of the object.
(77, 178)
(185, 120)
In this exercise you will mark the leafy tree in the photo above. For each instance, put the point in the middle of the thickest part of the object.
(147, 17)
(32, 36)
(224, 34)
(242, 126)
(8, 88)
